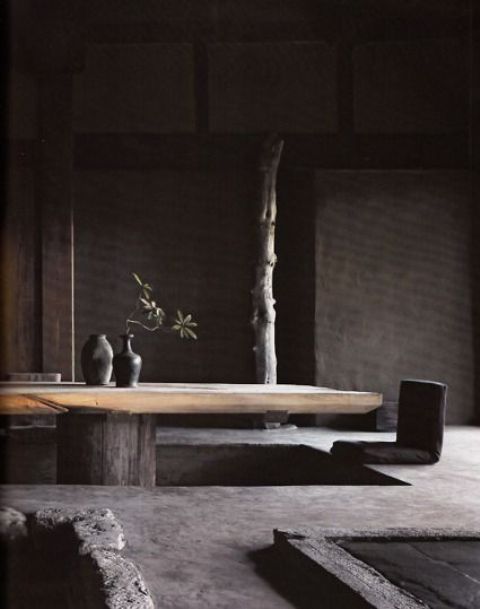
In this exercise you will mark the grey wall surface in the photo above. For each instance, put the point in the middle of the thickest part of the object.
(269, 87)
(400, 87)
(186, 233)
(393, 285)
(143, 88)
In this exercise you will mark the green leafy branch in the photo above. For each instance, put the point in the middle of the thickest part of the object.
(151, 317)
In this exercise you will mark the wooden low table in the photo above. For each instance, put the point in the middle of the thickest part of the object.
(115, 443)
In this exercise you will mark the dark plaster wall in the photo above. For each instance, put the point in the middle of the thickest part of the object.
(189, 235)
(139, 88)
(393, 282)
(411, 86)
(262, 87)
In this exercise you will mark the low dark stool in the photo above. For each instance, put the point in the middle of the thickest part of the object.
(421, 421)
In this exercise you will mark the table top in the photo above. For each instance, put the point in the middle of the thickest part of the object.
(186, 398)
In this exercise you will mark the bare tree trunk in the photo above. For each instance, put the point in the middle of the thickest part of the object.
(263, 319)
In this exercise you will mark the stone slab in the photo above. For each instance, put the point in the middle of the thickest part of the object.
(70, 555)
(387, 569)
(443, 574)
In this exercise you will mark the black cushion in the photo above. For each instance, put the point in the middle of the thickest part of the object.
(421, 415)
(421, 421)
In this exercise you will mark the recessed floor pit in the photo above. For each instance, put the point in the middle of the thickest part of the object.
(376, 569)
(64, 559)
(258, 465)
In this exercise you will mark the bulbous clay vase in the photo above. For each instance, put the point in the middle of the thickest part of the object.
(127, 364)
(96, 360)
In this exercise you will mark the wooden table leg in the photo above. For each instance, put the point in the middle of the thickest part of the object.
(106, 449)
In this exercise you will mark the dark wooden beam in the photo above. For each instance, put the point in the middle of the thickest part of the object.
(310, 26)
(186, 151)
(210, 32)
(137, 151)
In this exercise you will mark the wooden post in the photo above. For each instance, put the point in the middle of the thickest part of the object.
(106, 449)
(55, 51)
(55, 200)
(263, 319)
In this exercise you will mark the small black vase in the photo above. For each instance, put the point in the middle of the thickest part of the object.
(127, 364)
(96, 360)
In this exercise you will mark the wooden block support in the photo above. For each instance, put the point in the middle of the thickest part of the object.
(106, 449)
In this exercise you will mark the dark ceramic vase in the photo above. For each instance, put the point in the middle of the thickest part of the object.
(96, 359)
(127, 364)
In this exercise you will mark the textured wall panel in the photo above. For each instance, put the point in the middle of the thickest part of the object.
(134, 87)
(22, 100)
(264, 87)
(20, 343)
(411, 87)
(188, 234)
(393, 293)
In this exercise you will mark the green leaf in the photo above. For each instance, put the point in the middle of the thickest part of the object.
(187, 318)
(190, 333)
(137, 279)
(180, 316)
(145, 302)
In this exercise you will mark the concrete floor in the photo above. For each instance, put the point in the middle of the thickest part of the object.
(194, 544)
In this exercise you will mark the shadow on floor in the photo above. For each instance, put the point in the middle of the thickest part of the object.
(284, 581)
(249, 464)
(300, 587)
(28, 456)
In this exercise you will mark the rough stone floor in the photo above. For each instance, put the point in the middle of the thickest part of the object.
(194, 545)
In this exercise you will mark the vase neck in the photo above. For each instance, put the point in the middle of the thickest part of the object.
(127, 339)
